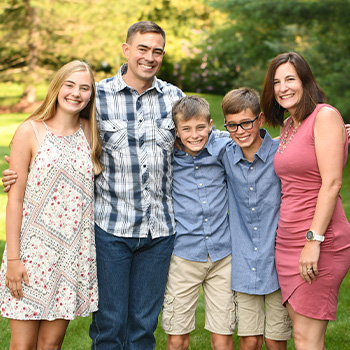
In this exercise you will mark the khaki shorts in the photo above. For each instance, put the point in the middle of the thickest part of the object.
(263, 315)
(185, 278)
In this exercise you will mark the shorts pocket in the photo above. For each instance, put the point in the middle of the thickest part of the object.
(167, 313)
(233, 313)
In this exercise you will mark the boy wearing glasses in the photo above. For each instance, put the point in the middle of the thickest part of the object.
(254, 200)
(202, 247)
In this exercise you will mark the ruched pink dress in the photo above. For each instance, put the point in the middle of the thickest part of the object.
(297, 168)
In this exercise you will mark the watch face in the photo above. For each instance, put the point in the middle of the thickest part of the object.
(309, 235)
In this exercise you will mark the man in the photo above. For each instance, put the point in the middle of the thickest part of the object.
(133, 205)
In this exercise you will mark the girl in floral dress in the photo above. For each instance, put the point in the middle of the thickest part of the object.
(48, 273)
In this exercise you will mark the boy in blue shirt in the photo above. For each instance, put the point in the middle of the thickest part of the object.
(202, 248)
(254, 200)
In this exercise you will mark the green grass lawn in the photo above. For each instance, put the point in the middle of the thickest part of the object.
(337, 337)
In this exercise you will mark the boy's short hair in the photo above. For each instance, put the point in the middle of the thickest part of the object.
(238, 100)
(144, 27)
(190, 106)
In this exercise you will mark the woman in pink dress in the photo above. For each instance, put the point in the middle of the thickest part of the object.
(313, 235)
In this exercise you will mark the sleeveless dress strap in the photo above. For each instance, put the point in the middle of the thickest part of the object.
(36, 132)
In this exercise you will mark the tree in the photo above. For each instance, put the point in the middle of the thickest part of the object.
(39, 36)
(261, 29)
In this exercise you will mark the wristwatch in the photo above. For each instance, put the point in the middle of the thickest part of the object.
(312, 236)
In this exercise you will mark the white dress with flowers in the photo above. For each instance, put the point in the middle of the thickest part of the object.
(57, 244)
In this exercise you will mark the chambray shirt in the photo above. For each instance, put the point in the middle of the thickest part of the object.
(254, 201)
(133, 193)
(200, 203)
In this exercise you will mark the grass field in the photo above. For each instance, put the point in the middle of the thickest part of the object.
(337, 337)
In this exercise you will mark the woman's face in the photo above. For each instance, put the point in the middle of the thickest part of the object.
(75, 93)
(288, 87)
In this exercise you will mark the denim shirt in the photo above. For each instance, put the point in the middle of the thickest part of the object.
(254, 201)
(200, 203)
(133, 193)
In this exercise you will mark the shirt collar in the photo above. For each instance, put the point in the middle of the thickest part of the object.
(263, 151)
(121, 85)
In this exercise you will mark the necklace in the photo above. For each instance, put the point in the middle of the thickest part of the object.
(284, 141)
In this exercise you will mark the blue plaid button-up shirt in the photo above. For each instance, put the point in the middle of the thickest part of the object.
(133, 193)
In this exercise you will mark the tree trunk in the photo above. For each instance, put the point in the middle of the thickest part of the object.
(29, 96)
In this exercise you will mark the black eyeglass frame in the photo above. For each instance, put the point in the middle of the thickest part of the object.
(240, 125)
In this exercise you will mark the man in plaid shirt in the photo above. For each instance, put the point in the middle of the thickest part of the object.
(133, 205)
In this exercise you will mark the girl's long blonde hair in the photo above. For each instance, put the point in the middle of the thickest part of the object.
(49, 106)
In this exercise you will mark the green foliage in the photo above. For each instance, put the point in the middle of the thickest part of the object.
(261, 29)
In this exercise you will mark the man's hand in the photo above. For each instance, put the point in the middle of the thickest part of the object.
(9, 177)
(347, 127)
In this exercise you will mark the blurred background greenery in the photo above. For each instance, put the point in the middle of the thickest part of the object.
(212, 45)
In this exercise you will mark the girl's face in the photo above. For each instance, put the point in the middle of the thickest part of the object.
(75, 93)
(288, 87)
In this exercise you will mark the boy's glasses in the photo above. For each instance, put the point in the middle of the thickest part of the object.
(247, 125)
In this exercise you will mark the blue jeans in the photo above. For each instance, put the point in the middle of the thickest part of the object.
(132, 273)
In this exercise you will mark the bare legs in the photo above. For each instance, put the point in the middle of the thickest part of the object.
(37, 335)
(256, 342)
(182, 342)
(309, 333)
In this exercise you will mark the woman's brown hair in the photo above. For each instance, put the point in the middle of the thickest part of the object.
(312, 92)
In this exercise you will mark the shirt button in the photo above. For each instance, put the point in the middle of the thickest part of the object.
(194, 157)
(251, 168)
(255, 248)
(205, 220)
(204, 202)
(207, 237)
(251, 188)
(200, 185)
(253, 209)
(253, 269)
(196, 167)
(255, 229)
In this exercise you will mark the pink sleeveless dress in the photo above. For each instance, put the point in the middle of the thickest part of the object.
(297, 168)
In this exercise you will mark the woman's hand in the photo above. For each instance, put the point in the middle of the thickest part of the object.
(308, 261)
(347, 127)
(14, 275)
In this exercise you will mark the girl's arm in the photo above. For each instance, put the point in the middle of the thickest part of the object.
(330, 136)
(21, 156)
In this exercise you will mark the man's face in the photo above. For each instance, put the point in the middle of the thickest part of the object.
(144, 53)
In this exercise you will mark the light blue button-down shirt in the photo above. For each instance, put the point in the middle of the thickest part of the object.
(200, 203)
(254, 200)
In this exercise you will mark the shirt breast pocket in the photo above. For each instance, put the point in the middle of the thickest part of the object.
(114, 135)
(165, 133)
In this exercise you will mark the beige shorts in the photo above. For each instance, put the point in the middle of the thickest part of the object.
(185, 278)
(263, 315)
